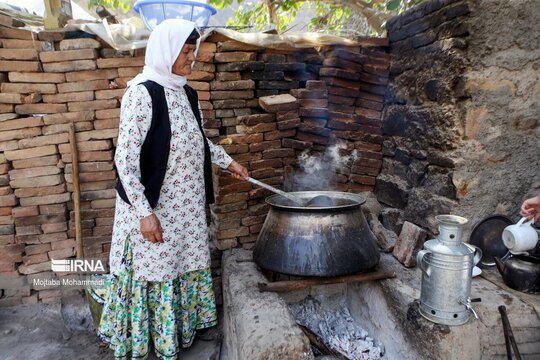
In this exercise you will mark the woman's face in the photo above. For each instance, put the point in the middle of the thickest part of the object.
(182, 65)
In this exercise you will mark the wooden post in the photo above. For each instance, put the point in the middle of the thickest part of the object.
(76, 191)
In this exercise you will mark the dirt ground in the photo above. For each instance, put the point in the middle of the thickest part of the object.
(65, 331)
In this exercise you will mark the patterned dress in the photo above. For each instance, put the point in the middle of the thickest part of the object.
(159, 291)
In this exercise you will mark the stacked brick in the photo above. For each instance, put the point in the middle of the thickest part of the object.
(266, 106)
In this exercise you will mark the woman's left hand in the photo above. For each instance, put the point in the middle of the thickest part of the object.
(238, 171)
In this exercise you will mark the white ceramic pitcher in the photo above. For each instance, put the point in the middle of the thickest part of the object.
(520, 237)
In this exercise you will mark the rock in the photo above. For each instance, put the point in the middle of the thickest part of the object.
(392, 191)
(257, 325)
(392, 219)
(277, 103)
(410, 241)
(385, 238)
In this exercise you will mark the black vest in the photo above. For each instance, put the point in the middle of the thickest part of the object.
(156, 146)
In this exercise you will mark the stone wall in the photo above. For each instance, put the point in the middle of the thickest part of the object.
(461, 118)
(50, 82)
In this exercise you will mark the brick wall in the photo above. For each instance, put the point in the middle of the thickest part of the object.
(50, 82)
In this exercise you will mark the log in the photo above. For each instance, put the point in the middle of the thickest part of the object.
(76, 192)
(291, 285)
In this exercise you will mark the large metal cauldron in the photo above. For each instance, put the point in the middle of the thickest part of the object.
(325, 240)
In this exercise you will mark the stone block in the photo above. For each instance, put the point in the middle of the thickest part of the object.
(28, 109)
(6, 65)
(70, 96)
(241, 66)
(232, 85)
(102, 74)
(222, 95)
(410, 241)
(65, 66)
(18, 54)
(77, 44)
(27, 44)
(68, 55)
(45, 200)
(31, 153)
(33, 172)
(83, 86)
(66, 118)
(92, 105)
(229, 57)
(28, 88)
(277, 103)
(36, 161)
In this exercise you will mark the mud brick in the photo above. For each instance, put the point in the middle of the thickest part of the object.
(83, 86)
(306, 137)
(120, 62)
(9, 116)
(25, 109)
(287, 115)
(68, 55)
(232, 45)
(97, 134)
(259, 128)
(225, 113)
(64, 118)
(346, 92)
(315, 85)
(50, 238)
(98, 194)
(235, 57)
(52, 209)
(8, 200)
(229, 104)
(343, 125)
(64, 128)
(221, 95)
(277, 103)
(246, 139)
(279, 134)
(234, 188)
(362, 170)
(30, 153)
(37, 249)
(36, 182)
(35, 259)
(76, 65)
(367, 104)
(228, 76)
(199, 85)
(259, 193)
(105, 221)
(80, 43)
(8, 267)
(204, 95)
(263, 75)
(314, 130)
(6, 219)
(335, 99)
(25, 211)
(278, 85)
(63, 244)
(46, 199)
(236, 149)
(373, 79)
(61, 254)
(269, 163)
(106, 124)
(243, 158)
(241, 231)
(367, 113)
(20, 123)
(263, 93)
(4, 168)
(335, 82)
(18, 54)
(380, 70)
(36, 77)
(6, 65)
(339, 73)
(107, 114)
(103, 203)
(93, 105)
(206, 105)
(102, 230)
(34, 162)
(33, 172)
(410, 241)
(292, 67)
(129, 71)
(242, 112)
(341, 108)
(241, 66)
(90, 167)
(314, 112)
(232, 198)
(265, 145)
(197, 75)
(93, 176)
(373, 89)
(12, 253)
(277, 153)
(67, 97)
(6, 240)
(6, 211)
(27, 44)
(289, 124)
(90, 156)
(7, 229)
(309, 94)
(28, 88)
(313, 103)
(4, 180)
(232, 85)
(28, 230)
(40, 191)
(54, 227)
(6, 108)
(362, 179)
(104, 74)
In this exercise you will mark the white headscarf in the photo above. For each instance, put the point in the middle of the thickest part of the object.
(163, 47)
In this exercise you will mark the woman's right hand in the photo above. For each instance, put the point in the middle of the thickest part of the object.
(151, 229)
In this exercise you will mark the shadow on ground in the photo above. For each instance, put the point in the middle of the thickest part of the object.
(65, 331)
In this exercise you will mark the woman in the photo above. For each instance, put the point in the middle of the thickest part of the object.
(161, 288)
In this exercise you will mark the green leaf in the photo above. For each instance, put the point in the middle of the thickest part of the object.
(393, 5)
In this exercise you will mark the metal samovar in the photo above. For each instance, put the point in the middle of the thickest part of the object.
(447, 264)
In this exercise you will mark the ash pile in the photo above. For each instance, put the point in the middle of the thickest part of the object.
(338, 332)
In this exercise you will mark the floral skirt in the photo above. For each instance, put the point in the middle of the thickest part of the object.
(167, 312)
